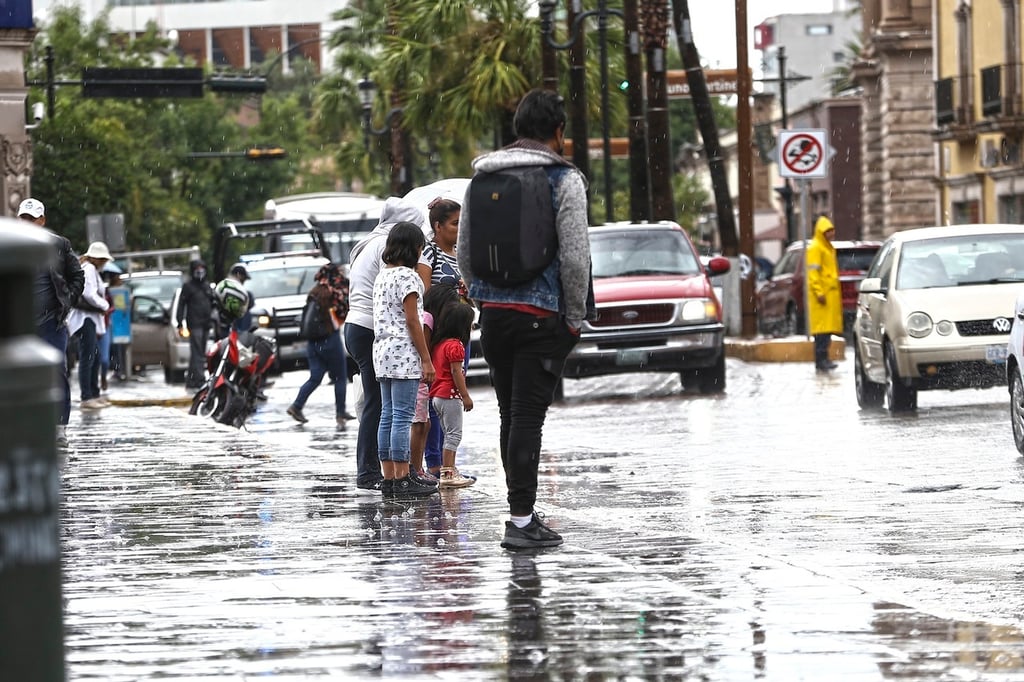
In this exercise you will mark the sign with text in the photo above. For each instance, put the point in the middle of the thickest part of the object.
(719, 82)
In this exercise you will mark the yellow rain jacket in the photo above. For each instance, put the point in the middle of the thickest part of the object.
(822, 271)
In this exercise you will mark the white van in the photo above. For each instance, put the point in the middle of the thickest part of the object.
(344, 218)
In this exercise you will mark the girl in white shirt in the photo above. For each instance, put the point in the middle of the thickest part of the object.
(400, 356)
(87, 322)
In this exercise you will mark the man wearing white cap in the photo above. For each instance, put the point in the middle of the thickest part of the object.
(87, 322)
(56, 288)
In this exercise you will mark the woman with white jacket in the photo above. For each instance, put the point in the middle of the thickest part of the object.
(87, 322)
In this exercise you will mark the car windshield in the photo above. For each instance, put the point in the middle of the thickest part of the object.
(961, 261)
(286, 281)
(855, 259)
(160, 287)
(641, 252)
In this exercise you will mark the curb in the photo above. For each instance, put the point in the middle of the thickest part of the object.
(183, 401)
(790, 349)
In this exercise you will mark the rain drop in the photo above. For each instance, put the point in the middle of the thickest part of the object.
(537, 656)
(392, 532)
(441, 542)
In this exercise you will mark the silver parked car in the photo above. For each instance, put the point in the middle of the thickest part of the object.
(935, 311)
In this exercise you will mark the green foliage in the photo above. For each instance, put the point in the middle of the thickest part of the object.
(132, 156)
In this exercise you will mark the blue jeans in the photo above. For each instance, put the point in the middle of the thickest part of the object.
(359, 342)
(326, 356)
(525, 355)
(435, 439)
(56, 335)
(397, 407)
(88, 357)
(104, 353)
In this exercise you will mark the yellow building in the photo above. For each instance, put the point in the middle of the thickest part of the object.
(979, 112)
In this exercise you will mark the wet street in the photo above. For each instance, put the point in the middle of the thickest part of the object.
(772, 533)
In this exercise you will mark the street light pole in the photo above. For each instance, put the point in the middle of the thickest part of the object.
(575, 32)
(367, 93)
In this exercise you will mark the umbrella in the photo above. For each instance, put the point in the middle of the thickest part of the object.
(110, 266)
(449, 188)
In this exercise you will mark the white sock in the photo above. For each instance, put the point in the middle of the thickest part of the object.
(521, 521)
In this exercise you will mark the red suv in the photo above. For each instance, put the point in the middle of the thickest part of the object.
(780, 302)
(656, 308)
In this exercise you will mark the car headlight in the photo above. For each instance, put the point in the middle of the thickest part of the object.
(919, 324)
(263, 320)
(699, 309)
(945, 328)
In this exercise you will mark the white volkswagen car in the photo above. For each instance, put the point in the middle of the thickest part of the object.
(934, 312)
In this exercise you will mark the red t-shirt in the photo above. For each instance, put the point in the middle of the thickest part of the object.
(445, 353)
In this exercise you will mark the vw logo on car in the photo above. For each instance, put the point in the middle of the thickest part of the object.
(1001, 325)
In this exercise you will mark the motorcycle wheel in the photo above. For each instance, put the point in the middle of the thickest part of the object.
(234, 410)
(207, 404)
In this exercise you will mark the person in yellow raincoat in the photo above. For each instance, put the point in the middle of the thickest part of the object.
(825, 302)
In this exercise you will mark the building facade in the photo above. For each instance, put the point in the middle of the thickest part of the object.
(897, 117)
(979, 111)
(815, 46)
(229, 34)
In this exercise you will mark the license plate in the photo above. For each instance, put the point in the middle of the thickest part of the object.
(631, 357)
(995, 354)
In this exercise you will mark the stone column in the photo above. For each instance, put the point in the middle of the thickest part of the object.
(15, 145)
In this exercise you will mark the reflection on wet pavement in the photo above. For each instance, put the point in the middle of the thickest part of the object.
(773, 533)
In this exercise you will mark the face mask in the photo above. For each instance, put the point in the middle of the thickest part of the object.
(199, 273)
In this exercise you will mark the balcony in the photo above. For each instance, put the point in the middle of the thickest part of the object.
(1001, 100)
(954, 110)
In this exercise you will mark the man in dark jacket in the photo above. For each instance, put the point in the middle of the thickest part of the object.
(195, 308)
(57, 287)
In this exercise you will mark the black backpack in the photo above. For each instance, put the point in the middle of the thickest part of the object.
(512, 235)
(315, 322)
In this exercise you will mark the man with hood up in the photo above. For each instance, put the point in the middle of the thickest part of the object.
(366, 263)
(528, 330)
(195, 308)
(824, 296)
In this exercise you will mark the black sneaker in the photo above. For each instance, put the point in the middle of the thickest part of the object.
(372, 487)
(535, 534)
(387, 489)
(411, 487)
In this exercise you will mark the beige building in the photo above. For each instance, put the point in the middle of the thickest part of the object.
(979, 115)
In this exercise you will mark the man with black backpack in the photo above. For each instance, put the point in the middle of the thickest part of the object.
(524, 252)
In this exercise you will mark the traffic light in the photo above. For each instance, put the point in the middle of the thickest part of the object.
(238, 84)
(142, 82)
(265, 153)
(624, 85)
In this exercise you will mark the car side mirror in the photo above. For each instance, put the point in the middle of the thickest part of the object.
(871, 285)
(718, 265)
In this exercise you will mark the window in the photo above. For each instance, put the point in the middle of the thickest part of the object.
(1011, 208)
(965, 212)
(818, 29)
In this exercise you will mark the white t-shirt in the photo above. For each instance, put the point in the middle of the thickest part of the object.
(394, 355)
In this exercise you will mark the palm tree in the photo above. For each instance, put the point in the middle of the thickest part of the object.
(459, 66)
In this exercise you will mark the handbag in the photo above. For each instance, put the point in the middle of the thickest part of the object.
(315, 323)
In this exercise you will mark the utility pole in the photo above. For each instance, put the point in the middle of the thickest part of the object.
(787, 193)
(655, 22)
(578, 90)
(708, 130)
(639, 173)
(744, 149)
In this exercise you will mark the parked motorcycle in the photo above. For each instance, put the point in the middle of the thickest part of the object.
(237, 366)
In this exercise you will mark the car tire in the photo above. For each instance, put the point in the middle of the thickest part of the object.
(711, 380)
(869, 394)
(1017, 409)
(898, 396)
(174, 376)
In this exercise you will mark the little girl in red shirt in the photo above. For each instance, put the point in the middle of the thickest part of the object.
(448, 394)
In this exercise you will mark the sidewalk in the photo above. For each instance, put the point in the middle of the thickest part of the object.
(198, 551)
